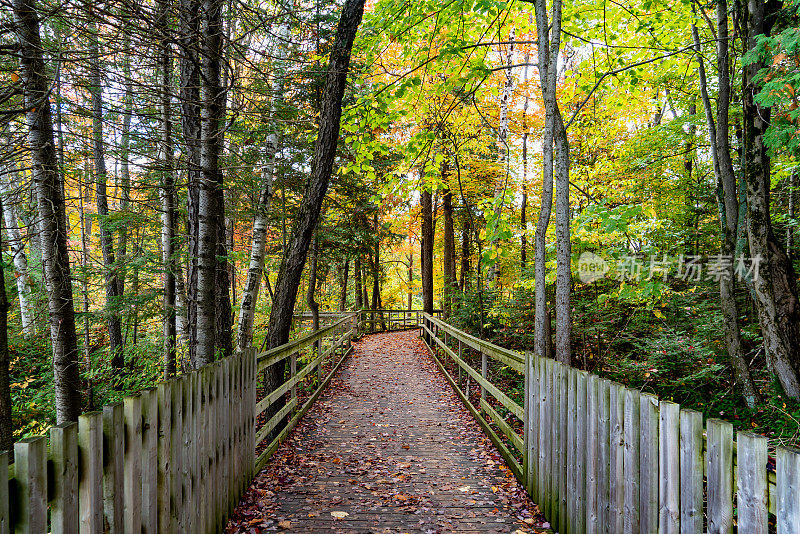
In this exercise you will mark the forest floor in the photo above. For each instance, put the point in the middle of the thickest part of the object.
(388, 448)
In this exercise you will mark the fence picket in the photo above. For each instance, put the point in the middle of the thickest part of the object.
(164, 397)
(30, 472)
(592, 447)
(616, 397)
(562, 452)
(149, 461)
(648, 464)
(691, 472)
(571, 446)
(64, 490)
(90, 479)
(113, 467)
(555, 460)
(581, 413)
(133, 464)
(631, 461)
(604, 458)
(5, 495)
(788, 472)
(719, 466)
(669, 491)
(751, 482)
(176, 456)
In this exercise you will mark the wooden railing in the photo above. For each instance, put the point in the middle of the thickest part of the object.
(600, 457)
(323, 350)
(372, 321)
(175, 458)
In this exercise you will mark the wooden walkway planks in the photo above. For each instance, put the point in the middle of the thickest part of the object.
(392, 447)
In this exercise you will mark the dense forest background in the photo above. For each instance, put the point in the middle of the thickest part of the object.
(613, 184)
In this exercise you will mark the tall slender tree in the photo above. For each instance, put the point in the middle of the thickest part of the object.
(52, 216)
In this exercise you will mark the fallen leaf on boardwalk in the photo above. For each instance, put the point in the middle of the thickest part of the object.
(339, 515)
(285, 524)
(495, 489)
(406, 447)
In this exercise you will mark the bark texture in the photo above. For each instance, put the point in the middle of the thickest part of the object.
(6, 428)
(426, 253)
(449, 260)
(50, 203)
(775, 286)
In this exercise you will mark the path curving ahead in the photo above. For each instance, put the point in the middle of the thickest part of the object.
(388, 448)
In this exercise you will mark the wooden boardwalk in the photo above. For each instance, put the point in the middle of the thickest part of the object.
(388, 448)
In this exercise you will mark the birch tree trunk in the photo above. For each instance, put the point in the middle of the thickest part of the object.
(718, 134)
(247, 310)
(359, 293)
(53, 222)
(502, 146)
(6, 425)
(189, 32)
(168, 200)
(775, 286)
(19, 258)
(110, 267)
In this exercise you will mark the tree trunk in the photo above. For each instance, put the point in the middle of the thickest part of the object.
(313, 305)
(189, 44)
(6, 426)
(523, 215)
(168, 200)
(212, 290)
(775, 286)
(110, 267)
(729, 203)
(465, 252)
(53, 222)
(280, 320)
(449, 252)
(358, 291)
(410, 279)
(343, 294)
(247, 310)
(426, 255)
(18, 256)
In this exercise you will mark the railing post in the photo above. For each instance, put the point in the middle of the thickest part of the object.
(293, 371)
(460, 357)
(484, 371)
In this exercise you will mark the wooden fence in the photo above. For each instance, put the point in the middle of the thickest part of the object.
(171, 459)
(599, 457)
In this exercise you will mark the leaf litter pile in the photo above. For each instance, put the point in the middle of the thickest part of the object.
(387, 448)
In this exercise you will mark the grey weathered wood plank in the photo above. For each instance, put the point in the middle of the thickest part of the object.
(5, 496)
(555, 441)
(571, 450)
(30, 472)
(90, 479)
(581, 429)
(64, 491)
(751, 483)
(176, 456)
(592, 449)
(562, 453)
(631, 462)
(788, 489)
(113, 467)
(604, 455)
(164, 397)
(669, 491)
(133, 464)
(691, 472)
(719, 466)
(616, 424)
(648, 464)
(149, 461)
